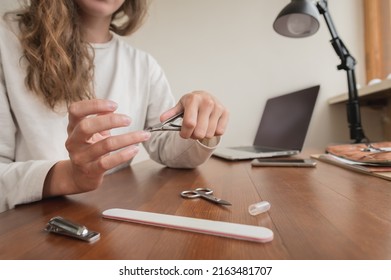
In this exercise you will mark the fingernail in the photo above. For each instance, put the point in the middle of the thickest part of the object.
(127, 120)
(112, 105)
(133, 149)
(146, 135)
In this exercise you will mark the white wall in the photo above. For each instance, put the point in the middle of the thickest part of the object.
(229, 48)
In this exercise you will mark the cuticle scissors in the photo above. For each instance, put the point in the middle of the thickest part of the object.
(205, 193)
(171, 124)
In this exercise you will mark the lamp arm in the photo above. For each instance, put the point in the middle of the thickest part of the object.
(347, 60)
(348, 64)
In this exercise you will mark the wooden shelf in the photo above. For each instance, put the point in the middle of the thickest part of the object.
(375, 94)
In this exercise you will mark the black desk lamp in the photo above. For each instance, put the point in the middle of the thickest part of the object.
(300, 19)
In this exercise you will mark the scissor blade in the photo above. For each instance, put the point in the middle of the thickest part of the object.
(223, 202)
(215, 199)
(163, 128)
(157, 127)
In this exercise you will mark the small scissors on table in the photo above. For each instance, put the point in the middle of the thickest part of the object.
(172, 124)
(205, 193)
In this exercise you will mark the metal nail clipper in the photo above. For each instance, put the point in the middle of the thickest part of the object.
(62, 226)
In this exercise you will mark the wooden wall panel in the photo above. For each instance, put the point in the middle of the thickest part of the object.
(377, 38)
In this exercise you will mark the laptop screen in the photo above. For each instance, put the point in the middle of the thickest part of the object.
(286, 119)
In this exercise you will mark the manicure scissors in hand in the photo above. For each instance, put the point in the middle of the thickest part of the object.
(205, 193)
(172, 124)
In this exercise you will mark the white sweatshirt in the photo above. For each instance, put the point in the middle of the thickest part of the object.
(32, 136)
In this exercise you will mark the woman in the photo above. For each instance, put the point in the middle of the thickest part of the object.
(66, 77)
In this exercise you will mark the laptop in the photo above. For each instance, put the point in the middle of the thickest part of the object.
(282, 130)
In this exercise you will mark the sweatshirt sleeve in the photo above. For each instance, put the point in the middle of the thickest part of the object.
(168, 148)
(20, 182)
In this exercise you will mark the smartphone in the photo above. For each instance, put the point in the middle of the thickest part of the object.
(284, 162)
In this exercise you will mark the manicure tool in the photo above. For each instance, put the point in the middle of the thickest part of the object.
(62, 226)
(224, 229)
(205, 193)
(172, 124)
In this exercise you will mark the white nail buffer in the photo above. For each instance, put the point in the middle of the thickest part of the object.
(231, 230)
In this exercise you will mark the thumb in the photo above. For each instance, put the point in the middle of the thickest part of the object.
(171, 112)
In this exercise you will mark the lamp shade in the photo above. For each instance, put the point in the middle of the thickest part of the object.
(298, 19)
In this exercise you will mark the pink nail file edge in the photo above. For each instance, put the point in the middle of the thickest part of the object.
(224, 229)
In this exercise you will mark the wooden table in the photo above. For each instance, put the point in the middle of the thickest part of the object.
(317, 213)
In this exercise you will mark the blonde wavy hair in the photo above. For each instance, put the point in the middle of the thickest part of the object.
(59, 62)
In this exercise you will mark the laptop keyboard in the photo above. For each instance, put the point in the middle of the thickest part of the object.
(254, 149)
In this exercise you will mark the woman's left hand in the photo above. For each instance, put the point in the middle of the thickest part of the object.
(204, 116)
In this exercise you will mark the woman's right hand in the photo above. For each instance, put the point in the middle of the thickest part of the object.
(90, 146)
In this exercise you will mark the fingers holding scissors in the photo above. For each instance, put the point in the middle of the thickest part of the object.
(204, 116)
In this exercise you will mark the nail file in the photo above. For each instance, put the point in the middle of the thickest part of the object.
(224, 229)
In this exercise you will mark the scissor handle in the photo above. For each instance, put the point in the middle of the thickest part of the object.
(171, 125)
(196, 192)
(174, 117)
(168, 125)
